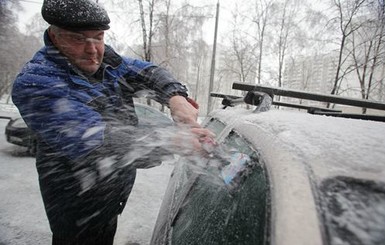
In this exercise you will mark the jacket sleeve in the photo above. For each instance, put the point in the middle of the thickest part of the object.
(153, 81)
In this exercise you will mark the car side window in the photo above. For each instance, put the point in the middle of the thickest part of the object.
(215, 126)
(148, 116)
(220, 213)
(356, 202)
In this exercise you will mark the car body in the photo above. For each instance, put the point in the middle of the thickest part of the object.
(18, 133)
(310, 179)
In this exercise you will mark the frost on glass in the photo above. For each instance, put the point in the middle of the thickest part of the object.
(225, 203)
(353, 211)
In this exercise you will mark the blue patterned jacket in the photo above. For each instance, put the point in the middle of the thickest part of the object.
(84, 126)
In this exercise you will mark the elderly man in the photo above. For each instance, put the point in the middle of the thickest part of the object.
(76, 94)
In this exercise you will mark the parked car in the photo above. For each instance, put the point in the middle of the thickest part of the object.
(18, 133)
(279, 177)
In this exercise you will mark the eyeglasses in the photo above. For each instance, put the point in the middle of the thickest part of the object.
(80, 39)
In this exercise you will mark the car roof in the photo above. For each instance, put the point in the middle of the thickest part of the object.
(329, 145)
(300, 152)
(340, 144)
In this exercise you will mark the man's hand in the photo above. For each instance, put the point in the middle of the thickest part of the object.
(192, 141)
(183, 111)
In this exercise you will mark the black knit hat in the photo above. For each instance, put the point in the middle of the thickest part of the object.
(76, 15)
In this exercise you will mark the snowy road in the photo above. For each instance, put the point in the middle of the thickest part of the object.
(22, 216)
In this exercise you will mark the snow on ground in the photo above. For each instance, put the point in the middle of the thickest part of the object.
(22, 216)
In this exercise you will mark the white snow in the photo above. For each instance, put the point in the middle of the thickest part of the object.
(22, 217)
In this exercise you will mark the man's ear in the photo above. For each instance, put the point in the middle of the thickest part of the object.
(52, 35)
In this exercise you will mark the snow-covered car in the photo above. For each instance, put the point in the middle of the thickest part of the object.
(18, 133)
(279, 177)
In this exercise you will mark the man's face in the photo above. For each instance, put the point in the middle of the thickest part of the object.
(84, 49)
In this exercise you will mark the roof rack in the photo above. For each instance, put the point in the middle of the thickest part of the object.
(310, 96)
(256, 93)
(228, 99)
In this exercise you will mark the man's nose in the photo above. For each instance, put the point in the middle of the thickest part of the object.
(90, 45)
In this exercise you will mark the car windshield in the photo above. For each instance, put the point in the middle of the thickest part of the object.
(353, 211)
(19, 123)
